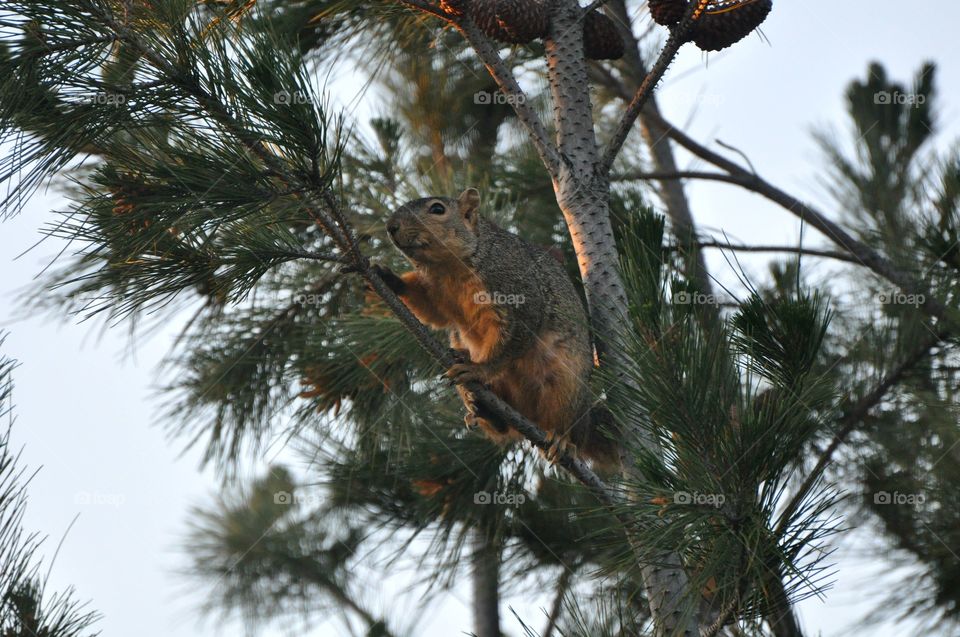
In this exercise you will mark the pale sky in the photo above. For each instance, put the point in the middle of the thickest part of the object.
(87, 411)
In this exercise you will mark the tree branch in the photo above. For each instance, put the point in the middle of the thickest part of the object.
(583, 194)
(853, 417)
(503, 412)
(678, 175)
(661, 152)
(678, 36)
(863, 253)
(563, 585)
(740, 247)
(504, 78)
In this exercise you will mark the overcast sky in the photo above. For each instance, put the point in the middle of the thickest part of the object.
(88, 411)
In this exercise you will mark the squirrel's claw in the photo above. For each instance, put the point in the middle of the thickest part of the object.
(558, 445)
(471, 421)
(463, 373)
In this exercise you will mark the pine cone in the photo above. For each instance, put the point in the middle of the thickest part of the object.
(454, 7)
(667, 12)
(484, 14)
(726, 23)
(124, 205)
(601, 38)
(522, 20)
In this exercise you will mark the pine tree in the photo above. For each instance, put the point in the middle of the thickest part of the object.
(902, 198)
(204, 166)
(28, 606)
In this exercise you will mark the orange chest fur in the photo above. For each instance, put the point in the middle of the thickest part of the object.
(471, 310)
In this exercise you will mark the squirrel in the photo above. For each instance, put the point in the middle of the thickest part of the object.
(509, 307)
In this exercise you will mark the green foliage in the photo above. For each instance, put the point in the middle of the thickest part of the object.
(904, 196)
(732, 407)
(202, 188)
(181, 198)
(28, 608)
(892, 125)
(269, 557)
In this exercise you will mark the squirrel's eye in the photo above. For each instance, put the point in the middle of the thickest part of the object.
(437, 209)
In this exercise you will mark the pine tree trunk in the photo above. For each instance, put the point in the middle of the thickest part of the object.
(485, 562)
(582, 191)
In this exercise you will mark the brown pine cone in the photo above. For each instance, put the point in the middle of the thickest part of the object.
(726, 23)
(124, 205)
(522, 20)
(484, 14)
(667, 12)
(601, 38)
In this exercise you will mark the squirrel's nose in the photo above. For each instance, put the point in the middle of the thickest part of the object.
(393, 226)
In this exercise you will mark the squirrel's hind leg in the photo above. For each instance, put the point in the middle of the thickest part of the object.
(559, 444)
(477, 417)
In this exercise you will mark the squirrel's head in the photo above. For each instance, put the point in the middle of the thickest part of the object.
(435, 230)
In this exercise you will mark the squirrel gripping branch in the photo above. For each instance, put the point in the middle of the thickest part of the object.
(511, 311)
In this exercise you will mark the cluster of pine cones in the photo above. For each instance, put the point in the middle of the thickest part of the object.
(723, 23)
(522, 21)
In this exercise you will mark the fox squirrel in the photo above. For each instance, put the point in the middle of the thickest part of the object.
(510, 308)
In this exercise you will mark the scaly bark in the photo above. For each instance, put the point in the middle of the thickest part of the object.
(582, 188)
(485, 562)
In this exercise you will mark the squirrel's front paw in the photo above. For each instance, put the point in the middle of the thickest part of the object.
(393, 282)
(462, 373)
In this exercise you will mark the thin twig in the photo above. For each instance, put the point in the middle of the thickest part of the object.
(642, 175)
(504, 78)
(863, 253)
(678, 36)
(318, 256)
(503, 412)
(721, 620)
(852, 418)
(740, 247)
(562, 587)
(419, 5)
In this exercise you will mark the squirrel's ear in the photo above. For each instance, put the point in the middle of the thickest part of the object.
(469, 203)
